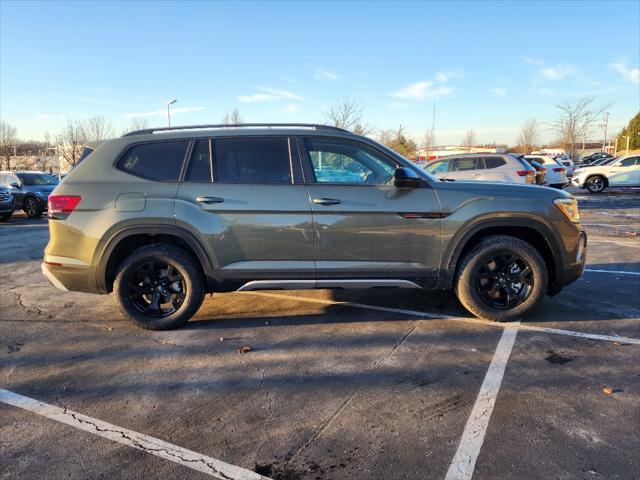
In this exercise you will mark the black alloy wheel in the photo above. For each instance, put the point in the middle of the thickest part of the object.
(504, 281)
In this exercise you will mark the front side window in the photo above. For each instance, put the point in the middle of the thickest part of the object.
(252, 160)
(334, 161)
(437, 167)
(627, 162)
(160, 161)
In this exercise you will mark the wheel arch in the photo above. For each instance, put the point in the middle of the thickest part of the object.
(604, 177)
(534, 232)
(127, 239)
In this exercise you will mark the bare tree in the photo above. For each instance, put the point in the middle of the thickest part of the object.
(96, 128)
(8, 142)
(470, 139)
(347, 113)
(136, 124)
(529, 133)
(574, 121)
(233, 118)
(429, 141)
(71, 141)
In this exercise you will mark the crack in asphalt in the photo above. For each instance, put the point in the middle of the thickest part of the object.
(30, 308)
(145, 448)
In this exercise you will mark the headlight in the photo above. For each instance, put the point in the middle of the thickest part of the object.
(568, 206)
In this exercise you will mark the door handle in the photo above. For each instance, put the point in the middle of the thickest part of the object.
(326, 201)
(209, 199)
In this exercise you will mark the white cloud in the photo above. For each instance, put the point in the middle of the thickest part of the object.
(157, 113)
(499, 91)
(532, 61)
(267, 94)
(629, 74)
(559, 72)
(324, 74)
(445, 75)
(292, 108)
(422, 90)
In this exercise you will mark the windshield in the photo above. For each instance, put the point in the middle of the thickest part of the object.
(31, 179)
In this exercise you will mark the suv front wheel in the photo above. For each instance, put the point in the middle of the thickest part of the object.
(159, 287)
(501, 279)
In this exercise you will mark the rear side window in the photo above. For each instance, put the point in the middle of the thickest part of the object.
(161, 161)
(627, 162)
(200, 165)
(493, 162)
(252, 160)
(463, 164)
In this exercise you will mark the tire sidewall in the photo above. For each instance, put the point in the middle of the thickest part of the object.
(590, 183)
(181, 262)
(465, 285)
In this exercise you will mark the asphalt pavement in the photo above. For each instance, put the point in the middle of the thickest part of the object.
(385, 384)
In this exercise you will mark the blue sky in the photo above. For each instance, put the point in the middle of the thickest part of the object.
(487, 65)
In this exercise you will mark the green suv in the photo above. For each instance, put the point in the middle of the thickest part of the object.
(160, 217)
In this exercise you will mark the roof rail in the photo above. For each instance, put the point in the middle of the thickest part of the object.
(237, 125)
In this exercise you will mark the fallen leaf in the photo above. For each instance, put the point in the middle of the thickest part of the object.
(617, 344)
(245, 349)
(607, 391)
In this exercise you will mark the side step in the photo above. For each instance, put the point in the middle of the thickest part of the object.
(338, 283)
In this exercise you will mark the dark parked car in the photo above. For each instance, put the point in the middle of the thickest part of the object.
(163, 216)
(6, 204)
(594, 157)
(30, 190)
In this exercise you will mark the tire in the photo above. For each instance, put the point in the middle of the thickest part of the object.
(596, 184)
(487, 298)
(31, 207)
(182, 287)
(5, 217)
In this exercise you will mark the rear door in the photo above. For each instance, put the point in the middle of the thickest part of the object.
(242, 196)
(463, 168)
(364, 226)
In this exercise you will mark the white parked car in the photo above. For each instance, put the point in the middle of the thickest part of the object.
(556, 171)
(617, 172)
(488, 167)
(567, 162)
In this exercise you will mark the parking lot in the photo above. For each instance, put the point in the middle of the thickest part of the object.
(337, 384)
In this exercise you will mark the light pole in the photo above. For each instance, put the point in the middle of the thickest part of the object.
(170, 102)
(628, 137)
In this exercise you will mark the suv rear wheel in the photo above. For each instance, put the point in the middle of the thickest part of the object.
(501, 279)
(159, 287)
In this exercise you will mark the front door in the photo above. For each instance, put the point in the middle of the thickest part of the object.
(365, 227)
(240, 195)
(625, 172)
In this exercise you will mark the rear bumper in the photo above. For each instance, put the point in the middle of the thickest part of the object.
(71, 278)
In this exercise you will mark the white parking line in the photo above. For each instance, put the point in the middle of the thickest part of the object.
(147, 444)
(414, 313)
(617, 272)
(464, 461)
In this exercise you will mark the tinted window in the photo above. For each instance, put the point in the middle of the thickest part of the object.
(86, 151)
(200, 165)
(32, 179)
(437, 167)
(156, 161)
(334, 161)
(252, 160)
(463, 164)
(627, 162)
(493, 162)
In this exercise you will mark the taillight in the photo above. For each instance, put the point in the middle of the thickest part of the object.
(524, 173)
(63, 203)
(558, 170)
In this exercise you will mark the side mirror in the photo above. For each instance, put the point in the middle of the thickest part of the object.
(404, 177)
(14, 185)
